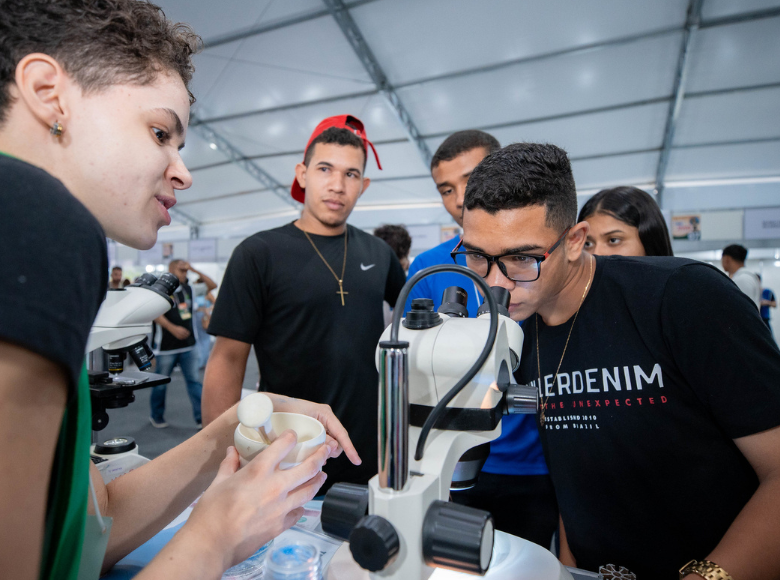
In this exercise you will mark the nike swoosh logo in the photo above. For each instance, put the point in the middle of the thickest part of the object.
(364, 268)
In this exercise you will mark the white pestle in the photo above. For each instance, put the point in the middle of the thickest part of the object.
(254, 412)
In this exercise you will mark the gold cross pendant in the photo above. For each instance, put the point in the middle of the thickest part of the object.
(341, 291)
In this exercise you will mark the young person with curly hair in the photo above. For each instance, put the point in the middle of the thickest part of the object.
(94, 105)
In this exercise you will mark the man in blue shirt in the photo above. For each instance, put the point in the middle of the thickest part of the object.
(514, 485)
(768, 300)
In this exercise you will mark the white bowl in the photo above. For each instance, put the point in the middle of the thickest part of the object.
(311, 434)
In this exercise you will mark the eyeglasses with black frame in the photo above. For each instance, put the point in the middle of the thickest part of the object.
(516, 267)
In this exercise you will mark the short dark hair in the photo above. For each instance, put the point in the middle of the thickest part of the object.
(97, 42)
(336, 136)
(397, 237)
(116, 268)
(462, 141)
(636, 208)
(523, 175)
(736, 252)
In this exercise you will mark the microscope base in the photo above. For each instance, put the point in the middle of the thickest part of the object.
(513, 559)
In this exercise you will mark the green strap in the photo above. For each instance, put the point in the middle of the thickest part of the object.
(68, 489)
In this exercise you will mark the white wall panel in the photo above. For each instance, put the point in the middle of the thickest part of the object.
(209, 18)
(752, 160)
(731, 116)
(300, 63)
(596, 134)
(720, 8)
(610, 76)
(218, 181)
(613, 171)
(237, 207)
(414, 40)
(722, 196)
(197, 152)
(734, 56)
(286, 131)
(400, 191)
(722, 225)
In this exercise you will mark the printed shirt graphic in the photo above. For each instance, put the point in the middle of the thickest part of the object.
(668, 363)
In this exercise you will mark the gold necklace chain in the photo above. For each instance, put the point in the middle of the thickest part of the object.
(538, 358)
(343, 266)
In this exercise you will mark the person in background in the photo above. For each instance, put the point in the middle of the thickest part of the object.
(768, 300)
(116, 282)
(514, 484)
(398, 238)
(177, 345)
(204, 306)
(733, 261)
(94, 109)
(625, 221)
(308, 296)
(451, 166)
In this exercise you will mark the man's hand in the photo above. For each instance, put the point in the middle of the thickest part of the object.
(244, 509)
(324, 414)
(179, 332)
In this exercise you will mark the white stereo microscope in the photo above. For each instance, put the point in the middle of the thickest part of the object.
(445, 381)
(120, 329)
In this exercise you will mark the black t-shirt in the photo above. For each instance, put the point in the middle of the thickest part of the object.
(668, 362)
(53, 266)
(278, 295)
(180, 315)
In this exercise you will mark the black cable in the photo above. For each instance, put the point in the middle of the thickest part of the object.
(398, 313)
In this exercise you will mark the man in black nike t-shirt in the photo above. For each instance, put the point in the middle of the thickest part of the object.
(309, 297)
(658, 383)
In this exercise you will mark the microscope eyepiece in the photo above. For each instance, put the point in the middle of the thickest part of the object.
(166, 284)
(144, 280)
(454, 302)
(421, 315)
(502, 300)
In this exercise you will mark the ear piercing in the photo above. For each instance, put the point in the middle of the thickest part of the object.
(56, 129)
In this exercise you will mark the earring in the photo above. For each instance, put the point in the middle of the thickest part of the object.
(56, 129)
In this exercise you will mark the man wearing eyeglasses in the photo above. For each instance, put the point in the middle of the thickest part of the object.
(658, 384)
(514, 484)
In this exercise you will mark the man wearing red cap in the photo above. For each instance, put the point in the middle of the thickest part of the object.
(308, 296)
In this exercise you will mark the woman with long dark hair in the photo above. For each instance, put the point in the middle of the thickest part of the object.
(625, 221)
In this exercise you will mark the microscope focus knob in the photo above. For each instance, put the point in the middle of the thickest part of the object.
(374, 543)
(457, 537)
(344, 506)
(521, 400)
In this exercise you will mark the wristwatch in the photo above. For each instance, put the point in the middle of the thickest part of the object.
(706, 569)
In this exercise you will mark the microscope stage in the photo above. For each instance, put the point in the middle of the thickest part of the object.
(513, 559)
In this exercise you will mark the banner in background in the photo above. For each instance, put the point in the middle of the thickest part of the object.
(153, 255)
(449, 232)
(203, 250)
(686, 227)
(424, 237)
(762, 224)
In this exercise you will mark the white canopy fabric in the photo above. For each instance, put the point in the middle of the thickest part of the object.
(598, 77)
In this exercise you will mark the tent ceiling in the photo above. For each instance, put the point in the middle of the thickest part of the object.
(597, 79)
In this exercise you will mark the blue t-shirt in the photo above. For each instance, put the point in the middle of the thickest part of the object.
(518, 450)
(766, 294)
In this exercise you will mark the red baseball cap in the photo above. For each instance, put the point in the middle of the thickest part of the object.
(347, 122)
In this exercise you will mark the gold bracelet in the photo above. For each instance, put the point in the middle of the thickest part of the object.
(706, 569)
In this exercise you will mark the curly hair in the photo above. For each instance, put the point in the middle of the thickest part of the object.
(99, 43)
(523, 175)
(397, 237)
